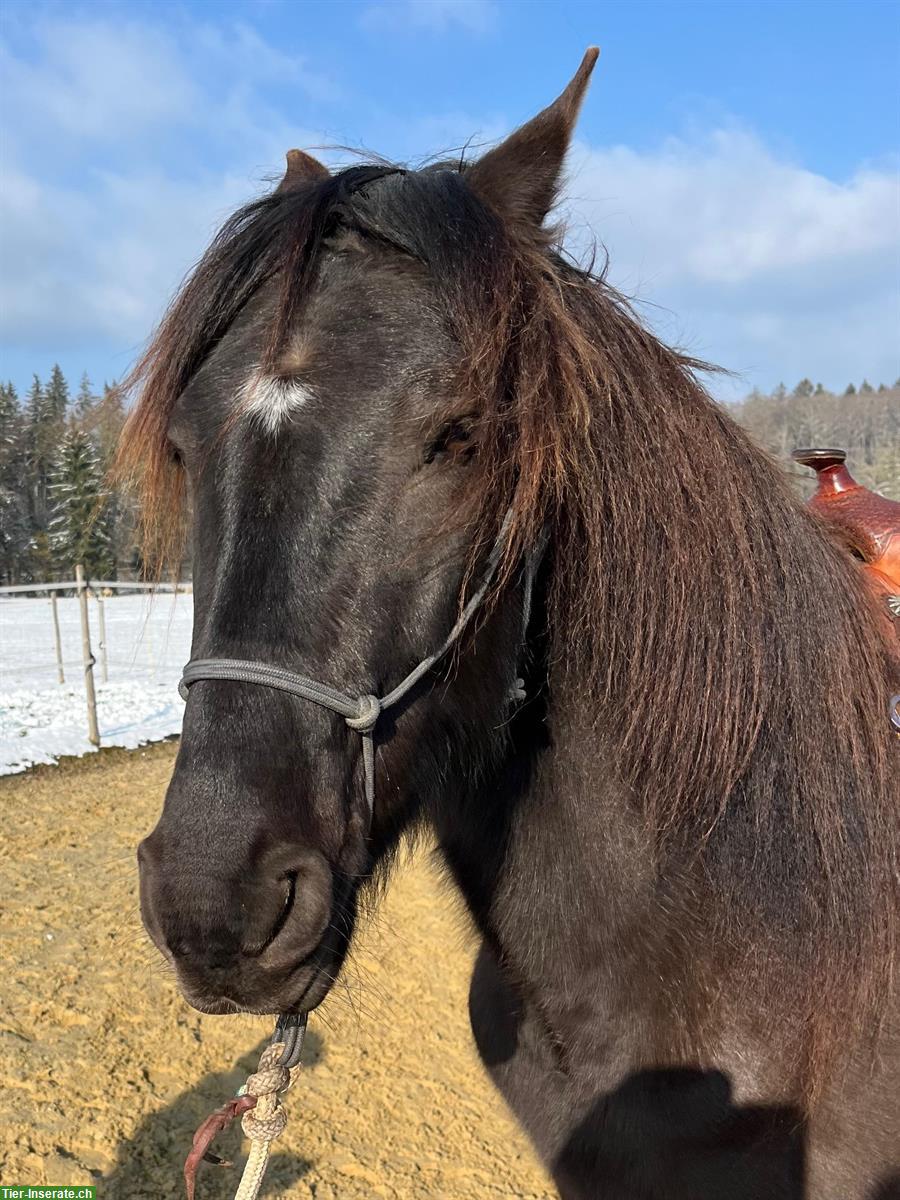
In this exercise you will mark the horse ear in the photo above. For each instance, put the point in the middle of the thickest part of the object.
(301, 168)
(519, 177)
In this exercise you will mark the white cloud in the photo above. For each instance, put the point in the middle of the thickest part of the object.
(106, 202)
(726, 210)
(433, 16)
(756, 262)
(92, 80)
(241, 50)
(100, 265)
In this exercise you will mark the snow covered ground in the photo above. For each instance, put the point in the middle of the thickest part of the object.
(148, 642)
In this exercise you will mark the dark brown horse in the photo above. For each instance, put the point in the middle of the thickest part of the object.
(680, 851)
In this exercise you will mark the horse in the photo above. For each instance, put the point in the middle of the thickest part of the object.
(644, 699)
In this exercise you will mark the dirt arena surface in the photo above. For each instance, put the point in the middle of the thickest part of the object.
(106, 1072)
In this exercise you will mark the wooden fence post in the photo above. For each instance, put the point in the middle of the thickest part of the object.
(56, 638)
(89, 660)
(104, 662)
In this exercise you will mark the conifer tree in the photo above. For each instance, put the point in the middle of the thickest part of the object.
(80, 528)
(57, 395)
(36, 450)
(109, 420)
(15, 526)
(35, 398)
(40, 558)
(85, 400)
(12, 428)
(45, 417)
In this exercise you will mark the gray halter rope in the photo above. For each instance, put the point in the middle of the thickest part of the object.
(362, 713)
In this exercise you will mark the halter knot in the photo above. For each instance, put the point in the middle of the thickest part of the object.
(263, 1129)
(268, 1079)
(367, 717)
(267, 1119)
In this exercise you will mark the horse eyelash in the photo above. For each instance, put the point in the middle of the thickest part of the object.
(456, 431)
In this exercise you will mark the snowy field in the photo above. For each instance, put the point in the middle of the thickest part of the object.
(148, 642)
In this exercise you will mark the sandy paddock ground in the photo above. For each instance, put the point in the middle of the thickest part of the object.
(106, 1072)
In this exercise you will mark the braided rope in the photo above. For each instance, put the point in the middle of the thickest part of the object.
(263, 1123)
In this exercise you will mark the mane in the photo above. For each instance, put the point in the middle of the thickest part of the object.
(728, 646)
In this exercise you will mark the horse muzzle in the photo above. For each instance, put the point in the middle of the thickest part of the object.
(266, 938)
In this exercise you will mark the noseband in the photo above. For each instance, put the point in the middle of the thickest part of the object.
(362, 713)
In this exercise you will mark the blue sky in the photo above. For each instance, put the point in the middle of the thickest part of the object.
(738, 160)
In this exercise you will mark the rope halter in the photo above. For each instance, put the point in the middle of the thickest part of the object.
(361, 713)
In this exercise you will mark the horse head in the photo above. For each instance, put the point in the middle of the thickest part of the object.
(316, 385)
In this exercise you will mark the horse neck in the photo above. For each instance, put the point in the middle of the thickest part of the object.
(595, 906)
(547, 849)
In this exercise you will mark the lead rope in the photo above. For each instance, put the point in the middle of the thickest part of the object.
(258, 1104)
(267, 1119)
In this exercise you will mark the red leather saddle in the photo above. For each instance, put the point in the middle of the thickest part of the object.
(868, 524)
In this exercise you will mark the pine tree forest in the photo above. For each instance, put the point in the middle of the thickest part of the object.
(57, 506)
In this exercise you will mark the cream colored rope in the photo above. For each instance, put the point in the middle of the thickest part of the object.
(263, 1123)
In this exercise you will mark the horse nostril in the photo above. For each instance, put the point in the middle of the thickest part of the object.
(290, 879)
(304, 882)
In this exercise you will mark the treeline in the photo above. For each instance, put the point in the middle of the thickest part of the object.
(56, 507)
(864, 421)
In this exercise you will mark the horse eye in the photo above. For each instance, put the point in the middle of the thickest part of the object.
(453, 442)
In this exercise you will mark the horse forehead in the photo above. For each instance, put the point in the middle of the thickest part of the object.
(372, 318)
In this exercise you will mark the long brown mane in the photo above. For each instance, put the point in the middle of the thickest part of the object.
(705, 616)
